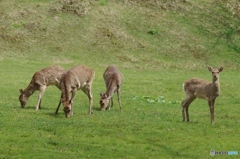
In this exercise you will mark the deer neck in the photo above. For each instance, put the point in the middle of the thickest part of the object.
(216, 87)
(111, 89)
(66, 91)
(29, 90)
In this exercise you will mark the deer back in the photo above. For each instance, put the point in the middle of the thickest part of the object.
(112, 77)
(81, 75)
(76, 78)
(49, 76)
(201, 88)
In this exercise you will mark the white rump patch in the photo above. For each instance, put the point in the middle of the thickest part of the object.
(183, 86)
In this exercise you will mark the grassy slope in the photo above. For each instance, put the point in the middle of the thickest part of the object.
(187, 36)
(201, 33)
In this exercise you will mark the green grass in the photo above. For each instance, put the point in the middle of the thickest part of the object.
(143, 130)
(157, 46)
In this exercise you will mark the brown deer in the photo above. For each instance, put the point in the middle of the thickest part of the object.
(78, 77)
(40, 81)
(199, 88)
(113, 79)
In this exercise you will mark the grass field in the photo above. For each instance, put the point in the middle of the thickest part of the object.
(156, 45)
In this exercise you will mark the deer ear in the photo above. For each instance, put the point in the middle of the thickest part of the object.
(220, 69)
(101, 94)
(106, 95)
(210, 68)
(21, 91)
(56, 80)
(71, 101)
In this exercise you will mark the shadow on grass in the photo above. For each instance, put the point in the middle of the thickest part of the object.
(96, 109)
(185, 122)
(61, 114)
(176, 153)
(53, 114)
(32, 108)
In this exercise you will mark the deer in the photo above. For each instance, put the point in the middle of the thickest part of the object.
(199, 88)
(79, 77)
(113, 80)
(40, 81)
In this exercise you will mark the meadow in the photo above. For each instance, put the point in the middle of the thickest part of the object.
(156, 45)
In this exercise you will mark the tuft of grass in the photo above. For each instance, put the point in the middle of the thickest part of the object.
(102, 2)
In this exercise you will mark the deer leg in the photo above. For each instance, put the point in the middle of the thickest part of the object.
(60, 101)
(40, 95)
(58, 107)
(72, 99)
(110, 104)
(213, 103)
(119, 101)
(187, 113)
(88, 92)
(183, 111)
(185, 105)
(40, 102)
(211, 106)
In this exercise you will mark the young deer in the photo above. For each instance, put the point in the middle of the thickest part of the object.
(199, 88)
(40, 81)
(113, 79)
(78, 77)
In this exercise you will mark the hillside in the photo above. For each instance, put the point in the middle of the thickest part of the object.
(135, 34)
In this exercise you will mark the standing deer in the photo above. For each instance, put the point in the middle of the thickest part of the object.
(78, 77)
(40, 81)
(113, 79)
(199, 88)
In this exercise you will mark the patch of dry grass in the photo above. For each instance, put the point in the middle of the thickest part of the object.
(147, 34)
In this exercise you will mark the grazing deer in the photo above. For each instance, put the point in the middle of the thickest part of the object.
(113, 79)
(78, 77)
(40, 81)
(199, 88)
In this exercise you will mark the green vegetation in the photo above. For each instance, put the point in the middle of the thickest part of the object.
(156, 44)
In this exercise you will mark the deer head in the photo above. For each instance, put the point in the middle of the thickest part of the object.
(23, 98)
(104, 101)
(215, 72)
(67, 108)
